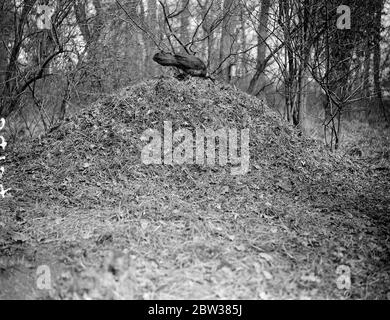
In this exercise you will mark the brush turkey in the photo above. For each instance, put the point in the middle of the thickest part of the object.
(189, 64)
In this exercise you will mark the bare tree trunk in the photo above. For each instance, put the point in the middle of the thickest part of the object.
(366, 79)
(65, 99)
(377, 57)
(208, 32)
(304, 13)
(243, 42)
(258, 80)
(289, 61)
(91, 33)
(303, 109)
(225, 46)
(6, 32)
(154, 29)
(184, 22)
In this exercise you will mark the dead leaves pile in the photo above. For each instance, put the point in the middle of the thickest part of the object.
(194, 231)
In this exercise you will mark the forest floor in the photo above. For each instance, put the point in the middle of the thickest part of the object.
(301, 224)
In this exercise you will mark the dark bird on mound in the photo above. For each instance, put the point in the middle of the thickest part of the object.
(188, 63)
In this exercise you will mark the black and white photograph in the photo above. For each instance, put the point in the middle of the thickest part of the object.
(213, 151)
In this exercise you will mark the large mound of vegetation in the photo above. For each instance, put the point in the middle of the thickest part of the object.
(280, 230)
(94, 154)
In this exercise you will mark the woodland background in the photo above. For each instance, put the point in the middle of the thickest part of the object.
(289, 52)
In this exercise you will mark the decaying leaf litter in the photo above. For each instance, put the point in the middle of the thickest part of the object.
(111, 227)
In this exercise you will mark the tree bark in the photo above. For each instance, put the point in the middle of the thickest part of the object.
(377, 57)
(184, 22)
(258, 80)
(225, 47)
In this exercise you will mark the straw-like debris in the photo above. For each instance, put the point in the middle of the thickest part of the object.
(117, 228)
